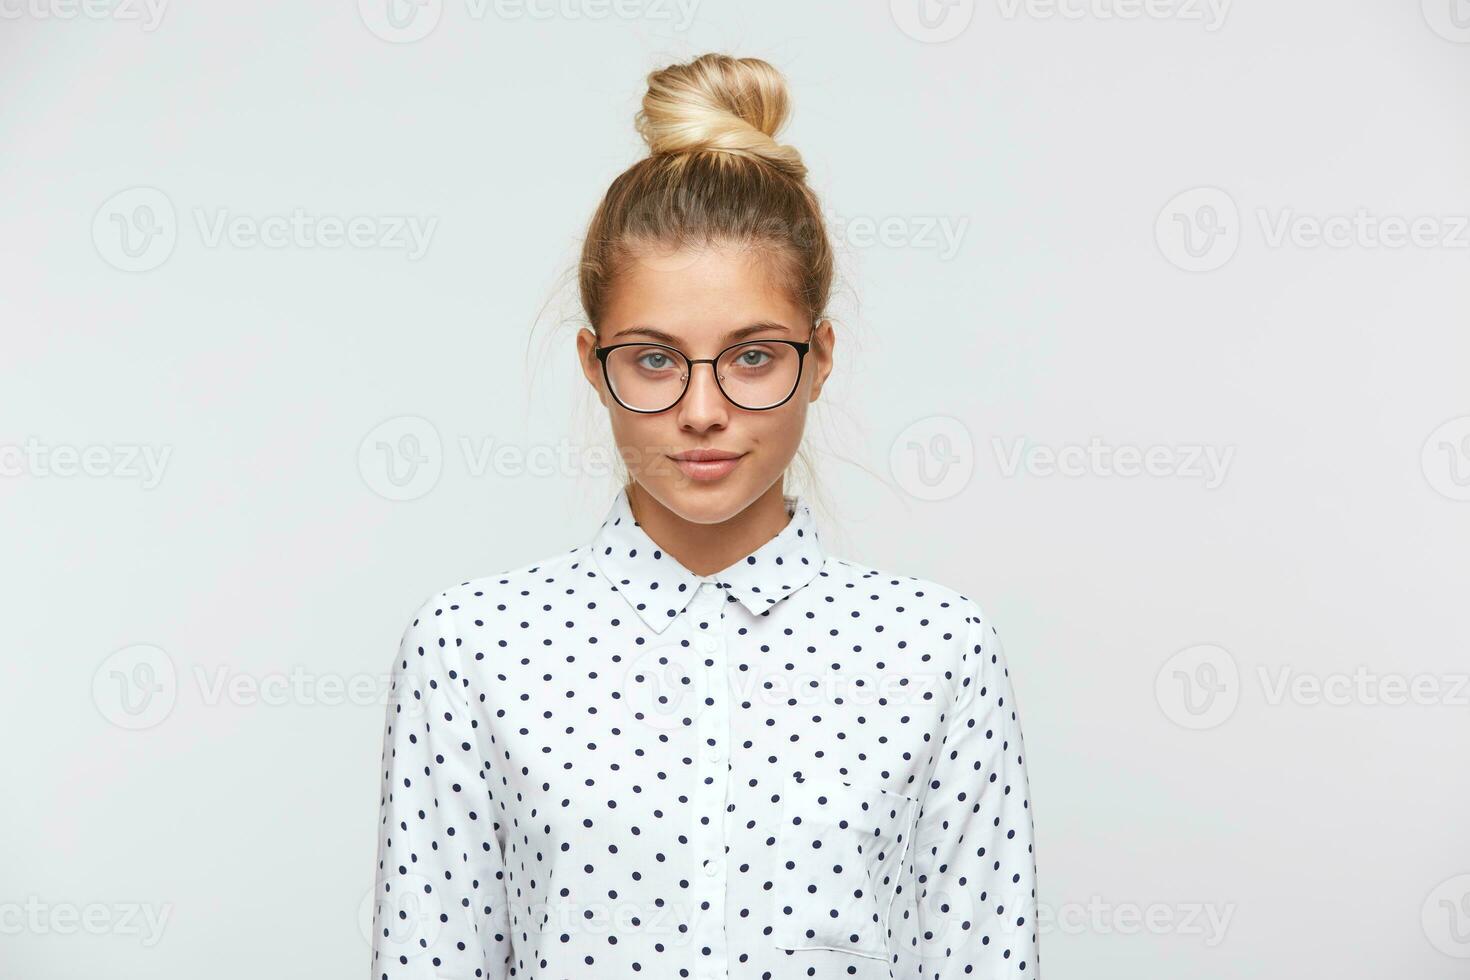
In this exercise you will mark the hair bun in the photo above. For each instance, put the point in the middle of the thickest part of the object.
(718, 104)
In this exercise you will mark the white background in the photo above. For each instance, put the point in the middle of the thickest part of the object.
(195, 651)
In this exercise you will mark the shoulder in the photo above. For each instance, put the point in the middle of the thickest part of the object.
(936, 611)
(933, 619)
(925, 600)
(458, 609)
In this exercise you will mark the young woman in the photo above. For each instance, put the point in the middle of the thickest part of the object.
(698, 745)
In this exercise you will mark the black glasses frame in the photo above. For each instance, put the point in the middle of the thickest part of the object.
(802, 347)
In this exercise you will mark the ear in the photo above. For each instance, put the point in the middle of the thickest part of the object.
(823, 340)
(587, 359)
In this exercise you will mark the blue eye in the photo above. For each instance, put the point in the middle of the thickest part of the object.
(752, 359)
(655, 360)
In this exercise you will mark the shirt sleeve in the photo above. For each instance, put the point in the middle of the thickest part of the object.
(974, 843)
(440, 907)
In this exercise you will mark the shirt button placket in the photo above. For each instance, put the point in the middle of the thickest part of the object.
(714, 737)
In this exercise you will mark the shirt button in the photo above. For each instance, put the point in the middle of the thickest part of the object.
(706, 646)
(711, 868)
(712, 753)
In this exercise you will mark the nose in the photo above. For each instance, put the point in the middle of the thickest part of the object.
(703, 406)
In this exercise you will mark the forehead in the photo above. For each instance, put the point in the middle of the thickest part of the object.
(699, 295)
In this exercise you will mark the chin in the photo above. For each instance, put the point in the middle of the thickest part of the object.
(706, 502)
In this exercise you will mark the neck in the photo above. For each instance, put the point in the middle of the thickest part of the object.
(707, 548)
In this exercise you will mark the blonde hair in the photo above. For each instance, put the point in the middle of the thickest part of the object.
(714, 175)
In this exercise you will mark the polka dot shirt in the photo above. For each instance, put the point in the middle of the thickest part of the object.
(604, 765)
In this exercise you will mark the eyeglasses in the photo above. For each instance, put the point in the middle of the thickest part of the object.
(755, 375)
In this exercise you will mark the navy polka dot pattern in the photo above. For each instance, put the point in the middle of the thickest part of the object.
(603, 765)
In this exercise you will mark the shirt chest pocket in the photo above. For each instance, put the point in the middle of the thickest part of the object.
(840, 862)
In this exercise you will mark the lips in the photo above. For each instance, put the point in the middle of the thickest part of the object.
(705, 455)
(706, 464)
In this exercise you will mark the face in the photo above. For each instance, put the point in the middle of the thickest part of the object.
(701, 302)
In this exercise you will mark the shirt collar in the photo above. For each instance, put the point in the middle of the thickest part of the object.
(658, 587)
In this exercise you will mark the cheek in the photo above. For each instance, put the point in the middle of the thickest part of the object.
(779, 431)
(642, 442)
(634, 432)
(780, 428)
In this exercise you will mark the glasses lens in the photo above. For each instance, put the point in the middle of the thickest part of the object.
(759, 374)
(647, 377)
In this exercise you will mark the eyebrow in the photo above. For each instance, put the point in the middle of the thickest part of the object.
(660, 336)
